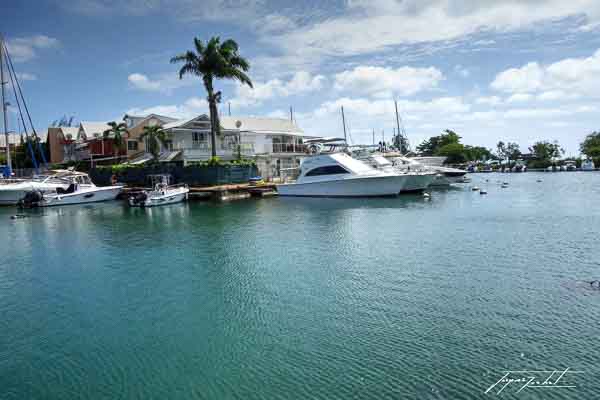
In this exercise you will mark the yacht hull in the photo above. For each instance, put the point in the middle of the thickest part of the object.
(12, 193)
(373, 186)
(418, 182)
(82, 197)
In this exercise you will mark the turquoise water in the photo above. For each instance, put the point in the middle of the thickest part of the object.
(306, 298)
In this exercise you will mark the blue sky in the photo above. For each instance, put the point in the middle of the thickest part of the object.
(491, 70)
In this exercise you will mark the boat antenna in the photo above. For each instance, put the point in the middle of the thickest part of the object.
(291, 114)
(344, 124)
(373, 136)
(8, 171)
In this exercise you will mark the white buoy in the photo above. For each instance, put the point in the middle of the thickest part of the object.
(425, 194)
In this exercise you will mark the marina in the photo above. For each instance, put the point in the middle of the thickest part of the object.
(181, 299)
(381, 199)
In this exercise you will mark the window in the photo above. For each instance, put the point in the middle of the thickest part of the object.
(132, 145)
(199, 140)
(327, 170)
(168, 144)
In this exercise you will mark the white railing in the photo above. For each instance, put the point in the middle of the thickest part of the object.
(232, 149)
(289, 148)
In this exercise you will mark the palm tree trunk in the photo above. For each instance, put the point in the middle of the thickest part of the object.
(212, 107)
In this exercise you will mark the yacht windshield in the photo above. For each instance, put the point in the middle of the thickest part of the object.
(327, 170)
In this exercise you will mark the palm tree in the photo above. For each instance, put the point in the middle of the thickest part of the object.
(155, 138)
(211, 61)
(118, 132)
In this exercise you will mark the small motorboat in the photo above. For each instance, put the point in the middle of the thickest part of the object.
(163, 193)
(81, 190)
(588, 165)
(483, 191)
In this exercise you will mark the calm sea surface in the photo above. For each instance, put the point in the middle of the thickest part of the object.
(306, 298)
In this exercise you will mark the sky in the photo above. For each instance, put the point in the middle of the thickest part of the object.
(511, 70)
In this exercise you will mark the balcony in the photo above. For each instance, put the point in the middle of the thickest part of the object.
(202, 150)
(289, 148)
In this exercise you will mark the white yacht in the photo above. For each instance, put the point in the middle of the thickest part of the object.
(13, 190)
(80, 190)
(339, 175)
(418, 180)
(430, 161)
(444, 175)
(162, 194)
(588, 165)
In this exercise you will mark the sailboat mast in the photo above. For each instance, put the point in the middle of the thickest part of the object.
(400, 135)
(344, 124)
(4, 110)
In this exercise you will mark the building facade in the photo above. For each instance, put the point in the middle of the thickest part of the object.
(135, 126)
(275, 143)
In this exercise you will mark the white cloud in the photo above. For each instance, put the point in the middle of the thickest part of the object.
(520, 98)
(373, 25)
(403, 81)
(566, 79)
(165, 83)
(489, 100)
(25, 76)
(525, 79)
(141, 81)
(462, 71)
(380, 108)
(192, 107)
(188, 10)
(25, 48)
(300, 83)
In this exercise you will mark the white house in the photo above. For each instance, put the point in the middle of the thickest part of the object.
(275, 143)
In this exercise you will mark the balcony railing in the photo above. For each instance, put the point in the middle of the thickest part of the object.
(202, 149)
(289, 148)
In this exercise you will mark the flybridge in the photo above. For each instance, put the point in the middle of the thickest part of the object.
(7, 71)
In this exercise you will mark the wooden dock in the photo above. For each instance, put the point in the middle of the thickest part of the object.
(221, 192)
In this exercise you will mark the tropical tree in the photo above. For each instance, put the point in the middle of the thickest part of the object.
(155, 137)
(432, 146)
(477, 153)
(591, 145)
(454, 153)
(211, 61)
(508, 151)
(545, 151)
(118, 131)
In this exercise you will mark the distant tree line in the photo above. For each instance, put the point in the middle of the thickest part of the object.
(448, 145)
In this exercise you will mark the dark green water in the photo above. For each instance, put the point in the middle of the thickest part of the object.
(306, 298)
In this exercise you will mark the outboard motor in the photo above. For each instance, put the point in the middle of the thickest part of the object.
(139, 198)
(32, 199)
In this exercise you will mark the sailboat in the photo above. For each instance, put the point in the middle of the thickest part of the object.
(13, 190)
